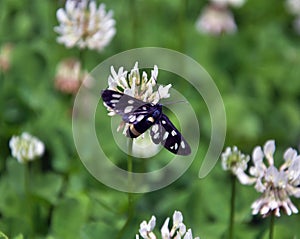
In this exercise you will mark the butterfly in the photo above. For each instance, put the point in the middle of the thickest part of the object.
(141, 116)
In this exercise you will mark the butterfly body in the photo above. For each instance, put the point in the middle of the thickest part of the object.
(141, 116)
(139, 127)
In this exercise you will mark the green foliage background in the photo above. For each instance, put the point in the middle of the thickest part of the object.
(257, 73)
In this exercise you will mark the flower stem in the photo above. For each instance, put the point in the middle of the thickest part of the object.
(28, 197)
(129, 158)
(81, 58)
(129, 169)
(130, 211)
(271, 228)
(232, 207)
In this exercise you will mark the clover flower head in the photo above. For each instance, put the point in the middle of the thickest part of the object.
(83, 24)
(215, 20)
(26, 147)
(233, 159)
(138, 86)
(69, 76)
(236, 162)
(276, 185)
(177, 231)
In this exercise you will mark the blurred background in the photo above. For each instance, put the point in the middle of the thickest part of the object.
(254, 61)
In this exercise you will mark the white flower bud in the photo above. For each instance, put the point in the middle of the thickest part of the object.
(26, 147)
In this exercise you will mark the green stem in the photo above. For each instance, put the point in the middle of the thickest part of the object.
(130, 212)
(2, 79)
(129, 158)
(129, 169)
(28, 197)
(272, 223)
(232, 207)
(81, 58)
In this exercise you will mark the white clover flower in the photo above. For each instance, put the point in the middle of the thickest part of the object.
(276, 185)
(84, 25)
(177, 231)
(139, 87)
(26, 147)
(236, 162)
(233, 159)
(216, 20)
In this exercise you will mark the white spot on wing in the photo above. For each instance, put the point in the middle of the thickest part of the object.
(155, 128)
(128, 109)
(163, 122)
(131, 118)
(114, 101)
(166, 134)
(139, 118)
(176, 146)
(130, 101)
(182, 144)
(173, 132)
(144, 108)
(156, 135)
(116, 95)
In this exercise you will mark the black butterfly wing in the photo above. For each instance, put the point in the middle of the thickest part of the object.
(165, 132)
(131, 109)
(135, 112)
(121, 103)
